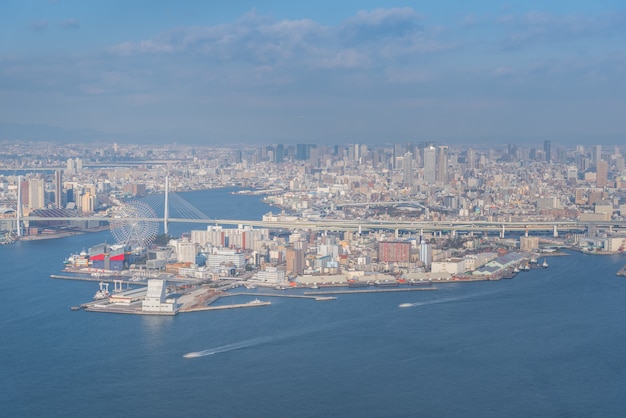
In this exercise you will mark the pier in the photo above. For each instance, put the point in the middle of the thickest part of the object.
(346, 292)
(98, 279)
(234, 306)
(274, 295)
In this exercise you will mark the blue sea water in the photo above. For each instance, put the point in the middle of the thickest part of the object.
(547, 343)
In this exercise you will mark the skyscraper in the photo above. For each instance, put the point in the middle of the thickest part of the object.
(58, 188)
(471, 159)
(547, 150)
(302, 151)
(602, 171)
(295, 260)
(430, 164)
(36, 194)
(596, 154)
(407, 166)
(442, 164)
(280, 153)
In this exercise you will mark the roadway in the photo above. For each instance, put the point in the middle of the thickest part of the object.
(364, 225)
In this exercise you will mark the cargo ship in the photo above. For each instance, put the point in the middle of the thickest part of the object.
(387, 283)
(357, 283)
(420, 282)
(109, 257)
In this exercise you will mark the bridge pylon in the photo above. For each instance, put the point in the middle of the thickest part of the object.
(166, 211)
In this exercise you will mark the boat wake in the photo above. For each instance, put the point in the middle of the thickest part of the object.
(264, 340)
(446, 300)
(228, 347)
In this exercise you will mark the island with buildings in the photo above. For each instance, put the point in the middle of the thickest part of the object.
(395, 217)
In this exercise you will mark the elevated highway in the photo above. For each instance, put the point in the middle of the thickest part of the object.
(365, 225)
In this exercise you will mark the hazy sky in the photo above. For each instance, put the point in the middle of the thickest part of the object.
(325, 71)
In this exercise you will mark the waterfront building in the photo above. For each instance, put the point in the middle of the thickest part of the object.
(272, 275)
(450, 266)
(394, 251)
(529, 243)
(155, 300)
(226, 257)
(244, 236)
(426, 254)
(294, 258)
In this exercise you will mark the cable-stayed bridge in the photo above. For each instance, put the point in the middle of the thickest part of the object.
(173, 208)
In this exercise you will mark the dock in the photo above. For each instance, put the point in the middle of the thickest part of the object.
(622, 272)
(234, 306)
(98, 279)
(347, 292)
(275, 295)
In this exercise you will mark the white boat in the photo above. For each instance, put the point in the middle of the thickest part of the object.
(103, 292)
(545, 264)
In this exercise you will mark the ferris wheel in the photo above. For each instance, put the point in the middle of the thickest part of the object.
(133, 223)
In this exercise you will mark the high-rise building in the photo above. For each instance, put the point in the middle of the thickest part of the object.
(58, 188)
(596, 154)
(442, 164)
(547, 150)
(70, 167)
(471, 159)
(295, 260)
(36, 198)
(602, 172)
(425, 253)
(407, 166)
(279, 155)
(302, 152)
(430, 164)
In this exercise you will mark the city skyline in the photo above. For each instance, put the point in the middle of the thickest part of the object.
(364, 72)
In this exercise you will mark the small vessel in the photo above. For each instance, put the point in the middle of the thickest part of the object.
(405, 305)
(193, 354)
(75, 308)
(255, 302)
(103, 292)
(545, 264)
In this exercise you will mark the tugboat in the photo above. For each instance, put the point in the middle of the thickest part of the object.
(103, 293)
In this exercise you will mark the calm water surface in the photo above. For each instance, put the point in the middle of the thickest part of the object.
(547, 343)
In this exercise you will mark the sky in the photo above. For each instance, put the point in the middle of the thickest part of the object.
(246, 72)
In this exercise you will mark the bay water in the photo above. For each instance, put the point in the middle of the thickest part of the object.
(547, 343)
